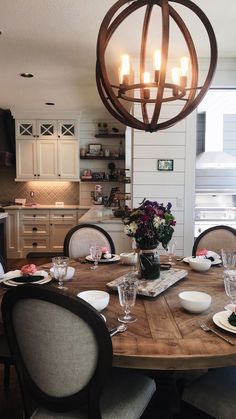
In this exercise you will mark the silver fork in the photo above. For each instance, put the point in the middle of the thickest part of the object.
(209, 329)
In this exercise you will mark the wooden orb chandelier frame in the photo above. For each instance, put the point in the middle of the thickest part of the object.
(111, 94)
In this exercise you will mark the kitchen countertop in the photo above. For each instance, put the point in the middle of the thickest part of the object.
(99, 214)
(41, 206)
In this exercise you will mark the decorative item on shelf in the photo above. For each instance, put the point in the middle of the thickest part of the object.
(83, 152)
(149, 224)
(87, 175)
(98, 175)
(158, 90)
(95, 149)
(111, 166)
(102, 128)
(115, 130)
(107, 152)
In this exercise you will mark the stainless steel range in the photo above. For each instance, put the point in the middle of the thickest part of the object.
(214, 209)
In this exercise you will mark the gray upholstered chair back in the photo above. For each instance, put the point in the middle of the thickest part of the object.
(78, 239)
(58, 348)
(215, 239)
(61, 348)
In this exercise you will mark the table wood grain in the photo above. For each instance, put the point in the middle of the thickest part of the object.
(165, 337)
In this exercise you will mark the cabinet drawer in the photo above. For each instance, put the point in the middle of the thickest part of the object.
(34, 215)
(35, 244)
(34, 229)
(61, 215)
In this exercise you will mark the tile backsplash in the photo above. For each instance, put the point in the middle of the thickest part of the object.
(44, 192)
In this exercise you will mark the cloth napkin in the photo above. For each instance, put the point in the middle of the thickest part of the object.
(11, 274)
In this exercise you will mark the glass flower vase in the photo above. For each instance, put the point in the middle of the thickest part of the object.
(149, 263)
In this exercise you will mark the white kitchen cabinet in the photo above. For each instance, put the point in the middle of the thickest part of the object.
(12, 234)
(47, 150)
(39, 230)
(46, 129)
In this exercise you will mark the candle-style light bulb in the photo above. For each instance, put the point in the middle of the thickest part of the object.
(184, 61)
(175, 77)
(157, 64)
(146, 79)
(125, 69)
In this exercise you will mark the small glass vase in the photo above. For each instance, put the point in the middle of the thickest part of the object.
(149, 263)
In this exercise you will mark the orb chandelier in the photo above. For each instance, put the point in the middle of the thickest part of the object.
(154, 88)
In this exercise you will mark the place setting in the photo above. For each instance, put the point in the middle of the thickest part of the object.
(100, 254)
(28, 274)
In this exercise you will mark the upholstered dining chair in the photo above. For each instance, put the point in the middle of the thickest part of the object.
(215, 238)
(63, 356)
(213, 393)
(78, 239)
(5, 356)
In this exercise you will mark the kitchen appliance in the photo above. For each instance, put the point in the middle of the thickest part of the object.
(98, 198)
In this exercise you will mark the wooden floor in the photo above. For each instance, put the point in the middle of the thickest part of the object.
(10, 399)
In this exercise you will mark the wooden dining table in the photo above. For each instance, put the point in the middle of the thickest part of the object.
(165, 336)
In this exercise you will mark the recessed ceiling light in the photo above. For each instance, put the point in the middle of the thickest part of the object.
(27, 75)
(50, 103)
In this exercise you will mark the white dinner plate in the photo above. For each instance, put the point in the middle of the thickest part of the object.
(47, 278)
(220, 319)
(114, 258)
(214, 262)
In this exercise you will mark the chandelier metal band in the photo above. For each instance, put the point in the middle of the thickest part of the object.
(112, 95)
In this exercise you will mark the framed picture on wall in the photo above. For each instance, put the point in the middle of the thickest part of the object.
(95, 149)
(165, 165)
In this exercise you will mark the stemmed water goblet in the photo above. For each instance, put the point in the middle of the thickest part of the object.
(96, 254)
(127, 291)
(230, 288)
(228, 257)
(60, 265)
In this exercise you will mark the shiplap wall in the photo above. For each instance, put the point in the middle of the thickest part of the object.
(177, 186)
(229, 134)
(87, 130)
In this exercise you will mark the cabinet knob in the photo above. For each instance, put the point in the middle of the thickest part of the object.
(34, 229)
(38, 175)
(35, 174)
(34, 215)
(34, 244)
(59, 175)
(62, 215)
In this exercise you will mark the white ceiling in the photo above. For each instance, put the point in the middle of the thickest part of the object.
(56, 41)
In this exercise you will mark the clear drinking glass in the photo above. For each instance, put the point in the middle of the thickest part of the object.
(230, 287)
(60, 265)
(96, 254)
(127, 291)
(171, 251)
(228, 257)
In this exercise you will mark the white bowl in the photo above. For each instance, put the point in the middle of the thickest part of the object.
(195, 301)
(200, 264)
(69, 275)
(128, 258)
(97, 299)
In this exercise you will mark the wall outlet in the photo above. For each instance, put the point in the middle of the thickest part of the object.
(59, 204)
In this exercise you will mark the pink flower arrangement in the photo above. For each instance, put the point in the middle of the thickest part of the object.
(29, 269)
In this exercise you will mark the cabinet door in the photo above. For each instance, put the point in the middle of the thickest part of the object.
(68, 159)
(12, 233)
(25, 129)
(67, 129)
(58, 231)
(26, 161)
(47, 129)
(47, 159)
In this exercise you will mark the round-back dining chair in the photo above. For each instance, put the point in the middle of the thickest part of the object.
(216, 238)
(78, 239)
(5, 356)
(63, 355)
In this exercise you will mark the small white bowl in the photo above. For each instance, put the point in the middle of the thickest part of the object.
(69, 275)
(98, 299)
(128, 258)
(199, 264)
(195, 301)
